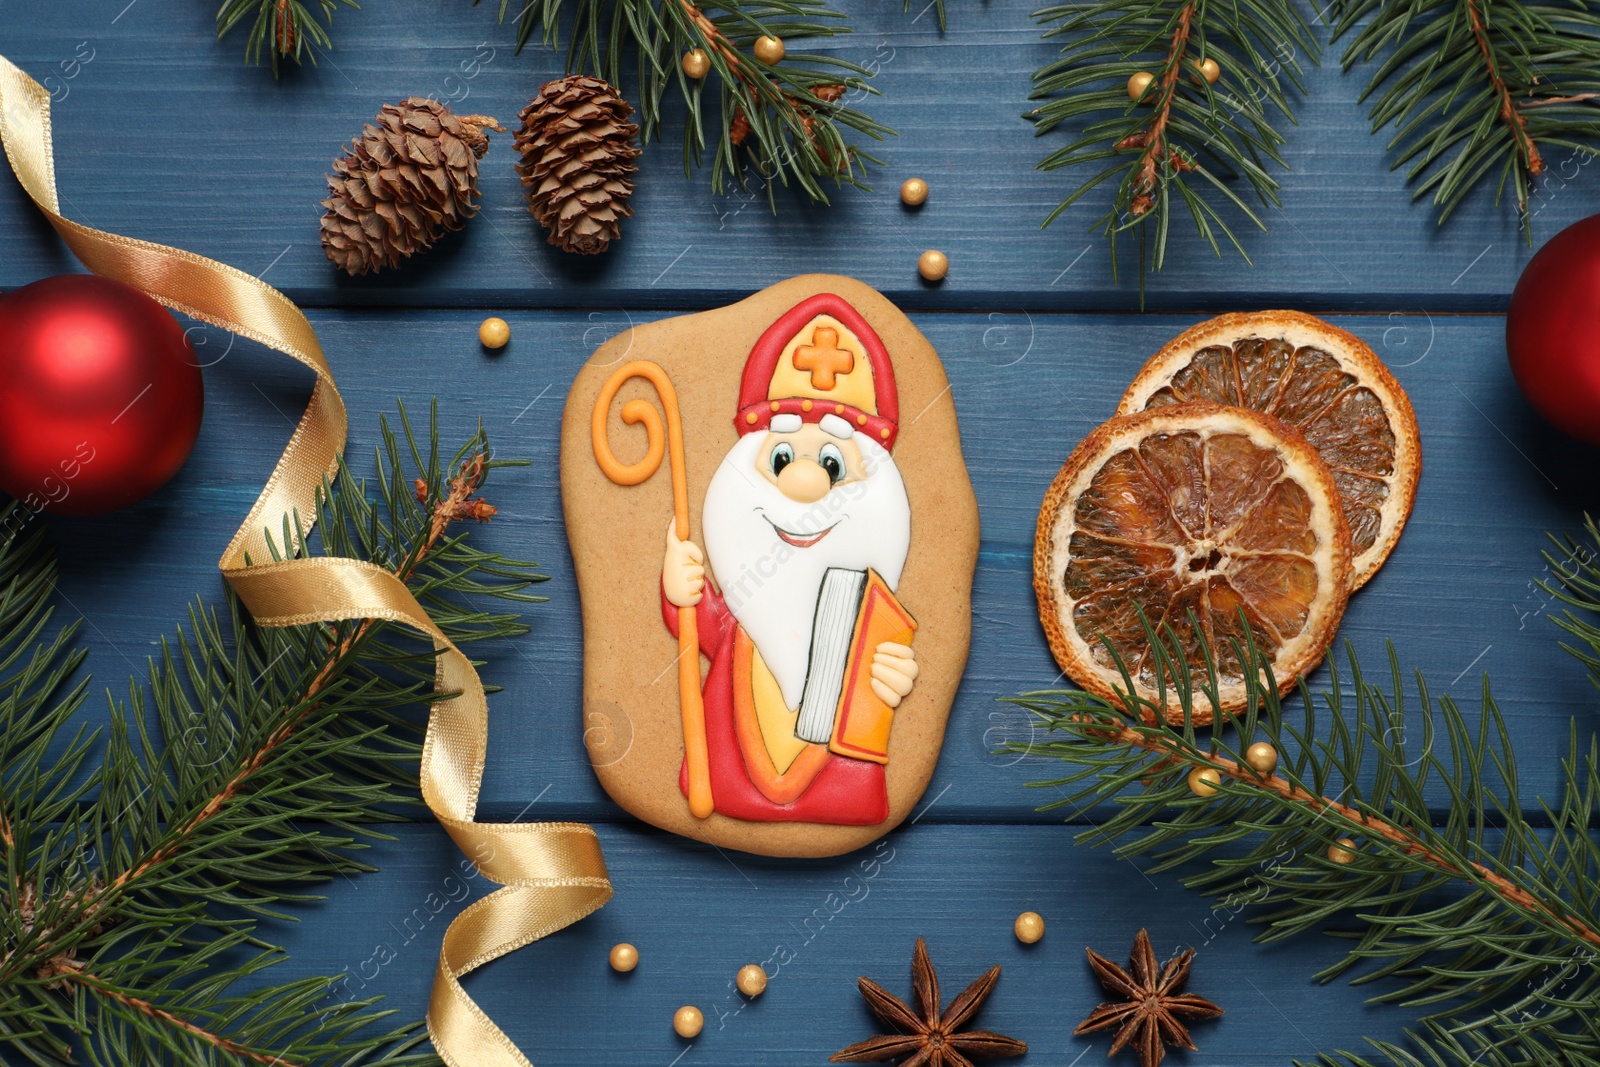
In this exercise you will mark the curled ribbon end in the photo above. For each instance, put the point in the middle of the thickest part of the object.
(555, 872)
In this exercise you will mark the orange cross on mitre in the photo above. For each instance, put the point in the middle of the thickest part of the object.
(820, 359)
(824, 358)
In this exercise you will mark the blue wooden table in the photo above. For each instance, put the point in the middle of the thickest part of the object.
(164, 134)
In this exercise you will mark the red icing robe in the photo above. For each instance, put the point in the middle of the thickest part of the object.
(844, 791)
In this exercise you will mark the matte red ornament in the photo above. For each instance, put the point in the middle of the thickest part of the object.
(100, 395)
(1553, 330)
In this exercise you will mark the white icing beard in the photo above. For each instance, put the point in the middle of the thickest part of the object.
(770, 585)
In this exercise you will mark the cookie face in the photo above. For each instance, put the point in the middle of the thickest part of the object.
(774, 535)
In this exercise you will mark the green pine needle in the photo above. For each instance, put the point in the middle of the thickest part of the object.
(1479, 90)
(1576, 565)
(279, 29)
(143, 867)
(1482, 917)
(770, 126)
(1186, 144)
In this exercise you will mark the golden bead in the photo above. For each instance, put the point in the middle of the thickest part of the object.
(1262, 757)
(1210, 70)
(624, 957)
(696, 64)
(770, 50)
(1203, 781)
(1029, 927)
(1139, 83)
(494, 333)
(913, 192)
(688, 1021)
(1342, 851)
(933, 265)
(751, 980)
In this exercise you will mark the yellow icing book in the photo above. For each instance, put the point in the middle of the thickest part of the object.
(856, 612)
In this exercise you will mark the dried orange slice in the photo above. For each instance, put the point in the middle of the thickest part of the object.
(1324, 382)
(1189, 513)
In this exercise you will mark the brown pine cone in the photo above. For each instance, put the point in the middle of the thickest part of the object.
(578, 152)
(402, 184)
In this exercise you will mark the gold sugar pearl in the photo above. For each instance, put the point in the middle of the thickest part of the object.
(1203, 781)
(1342, 851)
(688, 1021)
(1210, 70)
(494, 333)
(624, 957)
(933, 265)
(1139, 83)
(1029, 927)
(913, 192)
(1262, 757)
(751, 980)
(696, 64)
(770, 50)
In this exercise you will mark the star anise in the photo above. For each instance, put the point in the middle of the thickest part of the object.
(1149, 1015)
(928, 1038)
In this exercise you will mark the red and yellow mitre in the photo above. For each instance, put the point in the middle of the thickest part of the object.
(821, 358)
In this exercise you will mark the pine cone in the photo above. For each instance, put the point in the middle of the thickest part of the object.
(578, 150)
(402, 184)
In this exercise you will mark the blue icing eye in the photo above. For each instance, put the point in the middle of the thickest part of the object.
(832, 461)
(782, 456)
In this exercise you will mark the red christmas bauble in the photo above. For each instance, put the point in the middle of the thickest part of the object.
(100, 395)
(1553, 330)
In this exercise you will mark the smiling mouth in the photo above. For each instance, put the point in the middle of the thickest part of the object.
(798, 540)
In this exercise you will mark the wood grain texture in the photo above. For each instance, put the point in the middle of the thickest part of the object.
(166, 135)
(697, 916)
(1459, 597)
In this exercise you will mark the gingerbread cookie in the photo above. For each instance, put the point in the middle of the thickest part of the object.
(775, 536)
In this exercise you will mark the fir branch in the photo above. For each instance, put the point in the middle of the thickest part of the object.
(1184, 140)
(1481, 918)
(455, 505)
(775, 124)
(1169, 750)
(1507, 110)
(279, 29)
(1575, 565)
(75, 975)
(144, 861)
(1472, 87)
(1152, 142)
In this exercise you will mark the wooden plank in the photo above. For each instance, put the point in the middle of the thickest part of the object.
(164, 134)
(1459, 597)
(698, 915)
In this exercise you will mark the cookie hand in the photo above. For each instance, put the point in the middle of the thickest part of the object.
(894, 672)
(683, 571)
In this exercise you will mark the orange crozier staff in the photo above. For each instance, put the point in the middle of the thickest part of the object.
(642, 413)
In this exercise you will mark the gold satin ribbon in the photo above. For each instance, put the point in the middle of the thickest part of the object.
(553, 873)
